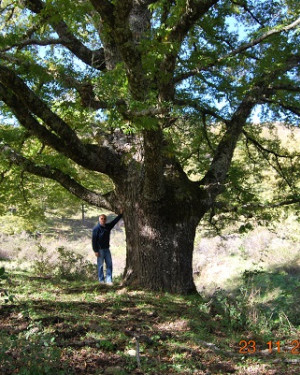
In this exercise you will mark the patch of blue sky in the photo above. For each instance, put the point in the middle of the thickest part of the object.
(237, 27)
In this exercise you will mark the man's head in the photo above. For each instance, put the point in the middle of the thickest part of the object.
(102, 219)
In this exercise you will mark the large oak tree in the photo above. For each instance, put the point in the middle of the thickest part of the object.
(147, 92)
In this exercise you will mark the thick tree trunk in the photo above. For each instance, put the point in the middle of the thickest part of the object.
(160, 251)
(160, 229)
(160, 258)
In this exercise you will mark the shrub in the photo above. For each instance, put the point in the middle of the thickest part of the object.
(72, 266)
(66, 265)
(42, 265)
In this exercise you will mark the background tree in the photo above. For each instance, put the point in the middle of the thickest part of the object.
(144, 91)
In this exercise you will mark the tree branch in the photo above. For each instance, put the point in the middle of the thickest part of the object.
(193, 11)
(166, 6)
(265, 153)
(29, 99)
(95, 58)
(252, 206)
(293, 109)
(216, 175)
(92, 157)
(85, 89)
(120, 18)
(33, 42)
(192, 104)
(263, 37)
(206, 134)
(285, 87)
(28, 121)
(127, 34)
(236, 51)
(246, 8)
(262, 148)
(105, 9)
(57, 175)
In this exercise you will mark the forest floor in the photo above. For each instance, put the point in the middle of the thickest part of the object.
(56, 319)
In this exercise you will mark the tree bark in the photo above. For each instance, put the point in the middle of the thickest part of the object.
(159, 252)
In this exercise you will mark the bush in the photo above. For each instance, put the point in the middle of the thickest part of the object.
(264, 302)
(72, 266)
(42, 265)
(67, 265)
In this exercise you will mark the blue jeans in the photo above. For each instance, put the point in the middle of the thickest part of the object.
(104, 255)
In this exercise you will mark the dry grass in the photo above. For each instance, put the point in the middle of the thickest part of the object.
(220, 261)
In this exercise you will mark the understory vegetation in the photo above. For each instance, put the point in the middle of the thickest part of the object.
(57, 319)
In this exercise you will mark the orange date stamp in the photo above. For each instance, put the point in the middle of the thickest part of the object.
(250, 347)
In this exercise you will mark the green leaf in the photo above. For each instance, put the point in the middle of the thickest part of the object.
(2, 271)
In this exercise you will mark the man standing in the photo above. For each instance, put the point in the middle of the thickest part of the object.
(100, 242)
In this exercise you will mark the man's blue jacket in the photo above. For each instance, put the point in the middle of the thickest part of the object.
(101, 234)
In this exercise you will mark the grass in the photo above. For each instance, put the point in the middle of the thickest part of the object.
(58, 326)
(59, 320)
(220, 261)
